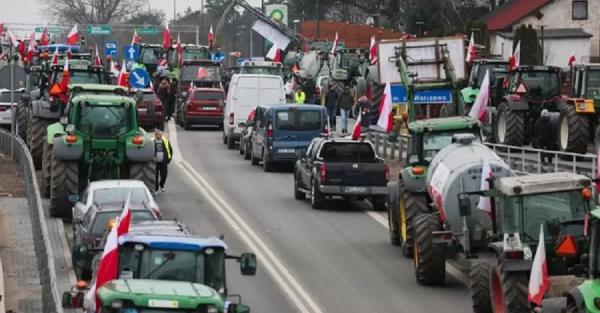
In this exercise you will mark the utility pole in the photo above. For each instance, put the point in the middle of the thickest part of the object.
(174, 10)
(542, 34)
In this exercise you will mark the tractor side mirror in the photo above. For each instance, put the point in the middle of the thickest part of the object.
(464, 205)
(248, 264)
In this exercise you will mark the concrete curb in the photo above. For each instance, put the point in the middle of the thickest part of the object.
(2, 294)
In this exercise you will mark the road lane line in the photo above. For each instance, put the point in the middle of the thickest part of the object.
(278, 271)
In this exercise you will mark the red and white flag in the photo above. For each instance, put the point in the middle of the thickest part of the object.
(386, 119)
(373, 51)
(515, 58)
(274, 53)
(471, 51)
(572, 58)
(21, 48)
(73, 36)
(44, 39)
(66, 76)
(122, 79)
(135, 39)
(539, 281)
(211, 35)
(335, 43)
(12, 39)
(485, 202)
(480, 106)
(113, 69)
(55, 57)
(179, 50)
(31, 47)
(166, 37)
(356, 130)
(97, 60)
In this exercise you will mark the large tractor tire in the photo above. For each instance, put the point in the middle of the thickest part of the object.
(144, 171)
(36, 132)
(411, 206)
(508, 290)
(509, 126)
(429, 260)
(22, 121)
(64, 182)
(46, 169)
(573, 130)
(479, 275)
(393, 206)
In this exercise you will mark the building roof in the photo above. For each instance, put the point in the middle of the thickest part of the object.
(554, 33)
(511, 12)
(353, 35)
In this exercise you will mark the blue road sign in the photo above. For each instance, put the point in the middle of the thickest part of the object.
(110, 48)
(437, 96)
(131, 52)
(139, 78)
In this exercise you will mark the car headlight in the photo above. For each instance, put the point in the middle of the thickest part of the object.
(212, 309)
(117, 304)
(184, 93)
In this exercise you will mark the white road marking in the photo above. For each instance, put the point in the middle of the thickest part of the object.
(273, 265)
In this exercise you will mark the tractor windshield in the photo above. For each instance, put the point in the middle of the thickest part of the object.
(200, 72)
(525, 214)
(433, 142)
(80, 77)
(149, 55)
(104, 121)
(541, 84)
(205, 267)
(592, 89)
(195, 54)
(478, 73)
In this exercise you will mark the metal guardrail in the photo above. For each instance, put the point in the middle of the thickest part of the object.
(16, 148)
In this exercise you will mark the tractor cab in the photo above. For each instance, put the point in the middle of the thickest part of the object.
(202, 73)
(150, 56)
(498, 70)
(189, 53)
(534, 83)
(585, 82)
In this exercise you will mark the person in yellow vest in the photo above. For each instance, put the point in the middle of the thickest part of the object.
(163, 154)
(299, 96)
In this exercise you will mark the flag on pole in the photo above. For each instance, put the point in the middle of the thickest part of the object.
(122, 78)
(373, 51)
(515, 59)
(274, 53)
(113, 68)
(356, 130)
(211, 35)
(55, 57)
(31, 47)
(335, 43)
(539, 282)
(97, 60)
(471, 51)
(44, 39)
(572, 58)
(12, 39)
(485, 203)
(135, 39)
(480, 106)
(73, 36)
(179, 50)
(166, 37)
(386, 120)
(21, 48)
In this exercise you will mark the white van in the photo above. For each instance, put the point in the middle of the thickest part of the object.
(246, 92)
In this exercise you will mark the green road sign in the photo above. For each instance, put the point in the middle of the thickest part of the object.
(50, 29)
(148, 30)
(99, 29)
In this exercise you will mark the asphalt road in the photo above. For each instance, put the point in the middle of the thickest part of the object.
(334, 260)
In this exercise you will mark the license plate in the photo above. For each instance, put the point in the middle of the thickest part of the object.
(170, 304)
(209, 108)
(356, 189)
(144, 110)
(286, 150)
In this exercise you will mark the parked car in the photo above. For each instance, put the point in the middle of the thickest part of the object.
(247, 130)
(202, 106)
(6, 113)
(150, 110)
(116, 190)
(341, 167)
(246, 92)
(281, 130)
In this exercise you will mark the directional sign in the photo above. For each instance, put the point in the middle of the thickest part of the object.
(148, 30)
(139, 78)
(443, 95)
(131, 52)
(99, 29)
(110, 48)
(49, 29)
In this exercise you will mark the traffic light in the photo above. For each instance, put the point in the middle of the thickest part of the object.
(82, 41)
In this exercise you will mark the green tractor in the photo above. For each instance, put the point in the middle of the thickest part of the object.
(99, 139)
(498, 69)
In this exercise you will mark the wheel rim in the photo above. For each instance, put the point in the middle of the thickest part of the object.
(403, 225)
(564, 134)
(497, 295)
(501, 127)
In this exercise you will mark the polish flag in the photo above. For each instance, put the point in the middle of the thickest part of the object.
(211, 35)
(122, 78)
(201, 73)
(136, 39)
(356, 130)
(1, 28)
(335, 43)
(44, 39)
(113, 69)
(31, 47)
(471, 52)
(179, 50)
(539, 282)
(22, 48)
(515, 58)
(73, 36)
(480, 106)
(485, 202)
(373, 51)
(274, 53)
(572, 58)
(386, 120)
(166, 37)
(12, 39)
(55, 57)
(66, 76)
(97, 60)
(108, 269)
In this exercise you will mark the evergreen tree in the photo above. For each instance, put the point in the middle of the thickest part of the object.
(530, 46)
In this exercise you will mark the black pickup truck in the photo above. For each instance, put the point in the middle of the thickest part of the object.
(341, 167)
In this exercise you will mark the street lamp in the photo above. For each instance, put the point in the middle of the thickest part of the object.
(542, 44)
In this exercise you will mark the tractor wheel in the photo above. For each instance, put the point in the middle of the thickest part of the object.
(46, 169)
(508, 290)
(411, 206)
(22, 120)
(144, 171)
(393, 206)
(429, 261)
(479, 275)
(316, 198)
(230, 142)
(573, 130)
(36, 131)
(64, 181)
(509, 126)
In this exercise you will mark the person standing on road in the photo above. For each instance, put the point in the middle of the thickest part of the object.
(162, 156)
(299, 96)
(363, 110)
(331, 104)
(344, 102)
(172, 98)
(164, 92)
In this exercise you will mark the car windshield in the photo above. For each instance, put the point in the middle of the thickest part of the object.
(348, 152)
(593, 84)
(433, 142)
(526, 213)
(200, 72)
(264, 70)
(205, 267)
(298, 120)
(119, 194)
(5, 96)
(149, 55)
(104, 121)
(204, 95)
(102, 218)
(541, 85)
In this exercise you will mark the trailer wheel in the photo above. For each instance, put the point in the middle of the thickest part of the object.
(46, 169)
(393, 206)
(479, 275)
(508, 290)
(509, 126)
(573, 130)
(429, 261)
(64, 181)
(144, 171)
(411, 205)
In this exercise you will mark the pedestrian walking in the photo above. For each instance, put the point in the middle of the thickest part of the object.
(162, 156)
(299, 96)
(344, 102)
(164, 92)
(331, 104)
(172, 98)
(362, 108)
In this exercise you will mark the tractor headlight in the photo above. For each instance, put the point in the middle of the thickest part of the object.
(117, 304)
(212, 309)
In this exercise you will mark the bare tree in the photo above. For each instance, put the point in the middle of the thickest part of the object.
(92, 11)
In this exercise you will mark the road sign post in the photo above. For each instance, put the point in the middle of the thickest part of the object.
(148, 30)
(110, 48)
(139, 78)
(131, 52)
